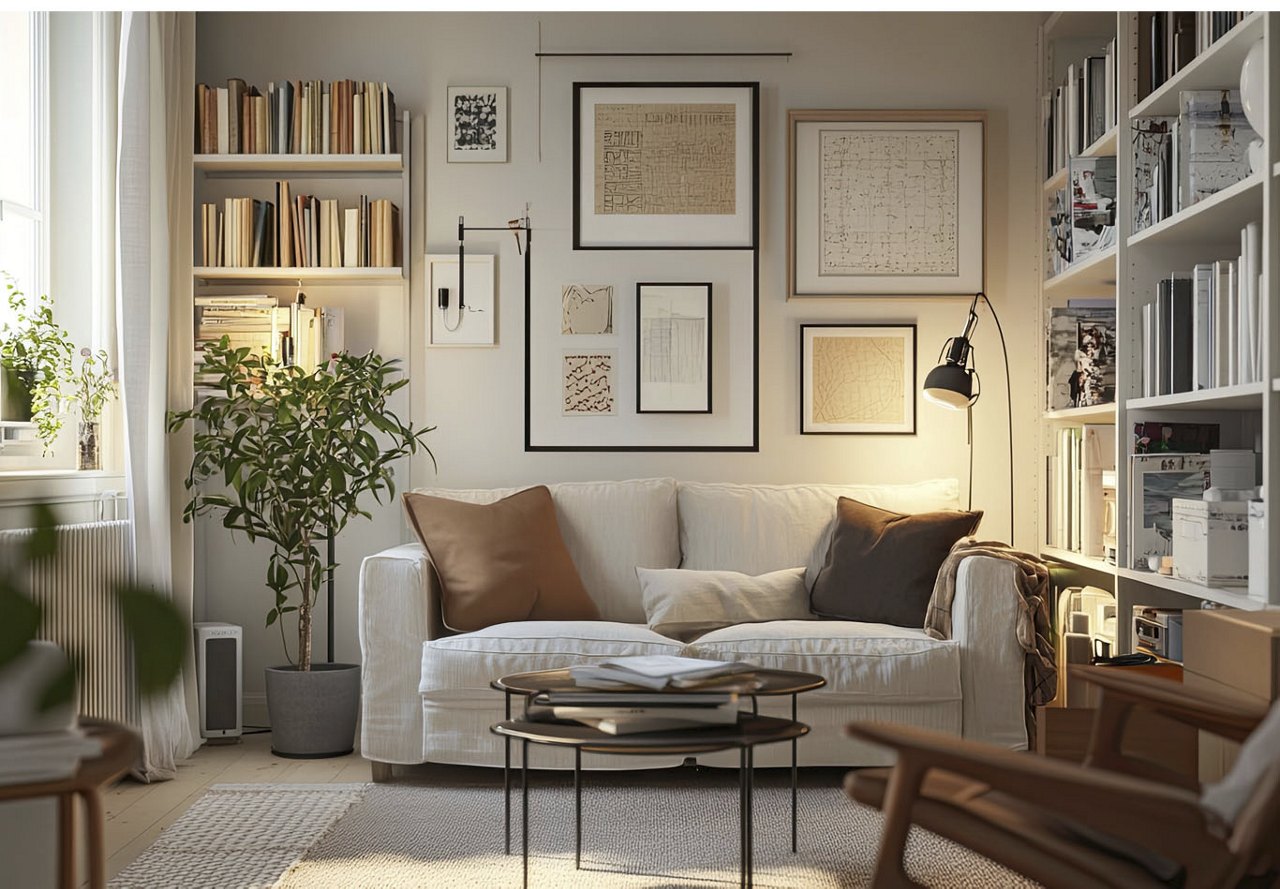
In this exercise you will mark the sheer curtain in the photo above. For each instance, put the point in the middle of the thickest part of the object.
(153, 277)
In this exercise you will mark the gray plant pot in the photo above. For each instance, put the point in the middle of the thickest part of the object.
(313, 714)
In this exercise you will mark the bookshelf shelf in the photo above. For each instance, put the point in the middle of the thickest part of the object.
(1233, 598)
(380, 275)
(1056, 182)
(214, 164)
(1094, 412)
(1065, 25)
(1244, 397)
(1215, 220)
(1218, 67)
(1067, 557)
(1104, 145)
(1095, 274)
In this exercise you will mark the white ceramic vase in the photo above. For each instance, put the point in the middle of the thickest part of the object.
(1252, 96)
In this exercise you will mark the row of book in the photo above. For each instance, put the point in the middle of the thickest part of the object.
(1167, 41)
(296, 117)
(295, 334)
(299, 231)
(1179, 161)
(1082, 108)
(1203, 330)
(1081, 351)
(1082, 215)
(1078, 464)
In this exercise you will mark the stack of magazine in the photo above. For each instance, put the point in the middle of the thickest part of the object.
(659, 671)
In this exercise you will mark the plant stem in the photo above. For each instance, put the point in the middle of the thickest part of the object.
(304, 612)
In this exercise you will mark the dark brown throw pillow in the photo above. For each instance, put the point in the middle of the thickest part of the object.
(500, 561)
(881, 565)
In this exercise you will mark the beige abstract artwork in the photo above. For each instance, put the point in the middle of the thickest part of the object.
(665, 159)
(859, 380)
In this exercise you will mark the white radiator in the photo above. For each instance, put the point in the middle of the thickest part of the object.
(74, 590)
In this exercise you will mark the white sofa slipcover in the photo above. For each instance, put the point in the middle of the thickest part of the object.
(426, 695)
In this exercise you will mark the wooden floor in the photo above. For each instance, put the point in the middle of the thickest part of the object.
(136, 813)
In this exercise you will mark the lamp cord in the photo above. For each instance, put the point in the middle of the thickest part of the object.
(1008, 394)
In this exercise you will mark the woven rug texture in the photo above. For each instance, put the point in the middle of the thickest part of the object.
(634, 835)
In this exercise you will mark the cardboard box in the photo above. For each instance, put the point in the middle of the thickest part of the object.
(1239, 649)
(1211, 542)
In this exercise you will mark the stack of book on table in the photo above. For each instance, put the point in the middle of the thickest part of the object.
(44, 756)
(659, 671)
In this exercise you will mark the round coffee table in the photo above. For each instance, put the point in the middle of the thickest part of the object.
(770, 683)
(744, 736)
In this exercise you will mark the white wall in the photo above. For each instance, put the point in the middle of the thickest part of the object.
(475, 396)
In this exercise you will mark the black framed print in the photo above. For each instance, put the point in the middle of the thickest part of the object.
(858, 379)
(660, 166)
(673, 348)
(477, 124)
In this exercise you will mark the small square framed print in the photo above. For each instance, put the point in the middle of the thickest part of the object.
(477, 120)
(857, 379)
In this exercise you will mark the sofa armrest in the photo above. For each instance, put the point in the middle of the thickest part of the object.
(984, 618)
(398, 610)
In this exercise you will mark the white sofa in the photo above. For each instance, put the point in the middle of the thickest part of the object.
(426, 691)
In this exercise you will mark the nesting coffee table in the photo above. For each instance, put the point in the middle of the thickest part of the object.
(750, 731)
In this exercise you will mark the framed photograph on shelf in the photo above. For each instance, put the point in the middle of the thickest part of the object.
(477, 124)
(673, 348)
(858, 379)
(885, 203)
(460, 318)
(660, 166)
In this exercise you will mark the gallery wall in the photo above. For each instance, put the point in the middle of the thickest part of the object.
(475, 396)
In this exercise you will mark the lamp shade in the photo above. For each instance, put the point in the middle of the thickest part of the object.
(949, 385)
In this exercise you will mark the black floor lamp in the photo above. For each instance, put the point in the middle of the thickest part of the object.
(955, 384)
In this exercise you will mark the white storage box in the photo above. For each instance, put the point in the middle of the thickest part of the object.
(1258, 550)
(1211, 542)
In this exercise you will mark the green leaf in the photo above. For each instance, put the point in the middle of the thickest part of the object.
(60, 690)
(19, 621)
(272, 615)
(158, 633)
(43, 541)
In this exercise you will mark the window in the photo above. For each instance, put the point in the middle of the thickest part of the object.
(22, 151)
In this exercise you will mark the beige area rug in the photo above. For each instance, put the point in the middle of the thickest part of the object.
(679, 833)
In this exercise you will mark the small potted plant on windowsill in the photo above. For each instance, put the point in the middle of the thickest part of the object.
(35, 363)
(93, 386)
(297, 452)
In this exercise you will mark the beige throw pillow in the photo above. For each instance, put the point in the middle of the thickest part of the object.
(683, 604)
(500, 562)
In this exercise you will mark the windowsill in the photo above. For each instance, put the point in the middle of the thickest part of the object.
(26, 486)
(24, 474)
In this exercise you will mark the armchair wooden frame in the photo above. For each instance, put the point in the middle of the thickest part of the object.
(1015, 807)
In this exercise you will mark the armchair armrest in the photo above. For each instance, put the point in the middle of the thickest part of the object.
(1226, 714)
(1167, 820)
(984, 622)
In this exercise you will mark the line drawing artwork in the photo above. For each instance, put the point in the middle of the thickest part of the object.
(889, 202)
(589, 387)
(859, 379)
(665, 159)
(673, 338)
(673, 350)
(586, 309)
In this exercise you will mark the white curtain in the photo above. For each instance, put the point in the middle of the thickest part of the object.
(153, 236)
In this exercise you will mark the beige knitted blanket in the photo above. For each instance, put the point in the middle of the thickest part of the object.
(1034, 634)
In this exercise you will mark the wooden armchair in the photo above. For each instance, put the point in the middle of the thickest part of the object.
(1114, 821)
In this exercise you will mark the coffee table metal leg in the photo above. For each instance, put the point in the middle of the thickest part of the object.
(506, 775)
(577, 806)
(524, 794)
(794, 776)
(742, 817)
(751, 819)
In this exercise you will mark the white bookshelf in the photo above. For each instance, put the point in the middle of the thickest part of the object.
(298, 164)
(1206, 231)
(1103, 146)
(324, 275)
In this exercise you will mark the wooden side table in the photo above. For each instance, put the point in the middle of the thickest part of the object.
(120, 748)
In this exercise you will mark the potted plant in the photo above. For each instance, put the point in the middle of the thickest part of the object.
(35, 362)
(297, 453)
(93, 386)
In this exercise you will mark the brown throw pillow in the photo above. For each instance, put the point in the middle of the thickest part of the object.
(881, 565)
(500, 561)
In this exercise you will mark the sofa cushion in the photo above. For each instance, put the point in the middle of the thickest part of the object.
(760, 528)
(455, 666)
(882, 565)
(685, 604)
(499, 561)
(609, 528)
(858, 660)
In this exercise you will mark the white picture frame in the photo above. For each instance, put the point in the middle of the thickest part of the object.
(476, 125)
(885, 203)
(858, 379)
(475, 325)
(673, 348)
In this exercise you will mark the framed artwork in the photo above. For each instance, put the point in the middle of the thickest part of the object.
(858, 379)
(451, 322)
(477, 124)
(673, 348)
(885, 203)
(586, 309)
(661, 166)
(590, 385)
